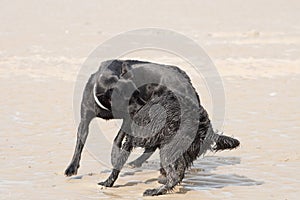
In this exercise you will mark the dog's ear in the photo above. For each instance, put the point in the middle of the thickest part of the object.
(125, 71)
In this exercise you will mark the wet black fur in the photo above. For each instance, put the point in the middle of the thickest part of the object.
(139, 105)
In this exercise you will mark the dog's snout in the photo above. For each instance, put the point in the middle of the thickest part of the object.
(108, 80)
(108, 93)
(110, 90)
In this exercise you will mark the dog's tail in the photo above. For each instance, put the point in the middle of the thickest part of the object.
(216, 141)
(225, 142)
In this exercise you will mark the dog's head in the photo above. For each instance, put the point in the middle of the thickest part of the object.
(114, 80)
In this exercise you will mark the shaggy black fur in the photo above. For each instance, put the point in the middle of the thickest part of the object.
(185, 135)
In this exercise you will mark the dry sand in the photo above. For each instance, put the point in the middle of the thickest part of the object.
(255, 46)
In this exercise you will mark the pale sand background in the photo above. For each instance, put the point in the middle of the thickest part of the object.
(255, 46)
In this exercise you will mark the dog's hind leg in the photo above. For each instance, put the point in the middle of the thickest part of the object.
(118, 158)
(162, 179)
(174, 175)
(140, 160)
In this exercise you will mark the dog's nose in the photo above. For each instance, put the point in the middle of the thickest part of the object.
(110, 91)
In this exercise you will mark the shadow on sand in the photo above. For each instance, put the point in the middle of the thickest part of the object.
(200, 176)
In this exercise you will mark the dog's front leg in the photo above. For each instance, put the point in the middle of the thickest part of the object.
(118, 158)
(87, 113)
(82, 134)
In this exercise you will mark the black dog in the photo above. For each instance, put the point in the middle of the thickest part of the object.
(160, 109)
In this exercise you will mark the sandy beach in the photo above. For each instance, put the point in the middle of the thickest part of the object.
(255, 47)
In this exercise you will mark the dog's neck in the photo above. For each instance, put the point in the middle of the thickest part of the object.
(97, 100)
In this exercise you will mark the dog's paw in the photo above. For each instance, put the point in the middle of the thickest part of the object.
(71, 170)
(106, 183)
(154, 192)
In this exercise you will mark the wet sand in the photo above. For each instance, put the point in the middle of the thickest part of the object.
(256, 54)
